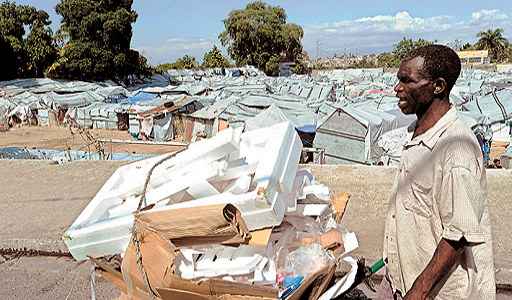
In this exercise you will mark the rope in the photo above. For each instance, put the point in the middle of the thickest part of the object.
(148, 177)
(93, 282)
(136, 238)
(138, 258)
(73, 284)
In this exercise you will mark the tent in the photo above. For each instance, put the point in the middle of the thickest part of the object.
(349, 134)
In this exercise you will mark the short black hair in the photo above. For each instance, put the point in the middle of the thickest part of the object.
(439, 61)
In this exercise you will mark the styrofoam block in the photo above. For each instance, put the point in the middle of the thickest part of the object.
(239, 186)
(225, 255)
(301, 179)
(129, 180)
(235, 169)
(185, 269)
(205, 262)
(111, 236)
(222, 144)
(223, 198)
(266, 205)
(198, 153)
(281, 158)
(186, 262)
(291, 164)
(219, 261)
(314, 210)
(274, 176)
(319, 190)
(350, 242)
(270, 271)
(253, 143)
(258, 272)
(121, 192)
(308, 179)
(173, 186)
(202, 189)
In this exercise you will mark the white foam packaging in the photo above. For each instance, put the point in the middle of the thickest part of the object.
(260, 165)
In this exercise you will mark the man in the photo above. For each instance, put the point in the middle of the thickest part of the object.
(438, 236)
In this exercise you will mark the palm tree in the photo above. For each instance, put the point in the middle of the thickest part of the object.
(494, 41)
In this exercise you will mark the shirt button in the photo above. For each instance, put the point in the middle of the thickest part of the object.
(393, 216)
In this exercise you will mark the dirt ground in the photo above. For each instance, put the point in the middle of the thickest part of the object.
(62, 138)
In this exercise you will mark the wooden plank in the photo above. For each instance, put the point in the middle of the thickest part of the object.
(116, 141)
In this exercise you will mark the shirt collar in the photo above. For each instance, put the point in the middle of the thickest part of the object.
(430, 137)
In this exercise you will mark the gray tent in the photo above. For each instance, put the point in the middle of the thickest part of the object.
(349, 134)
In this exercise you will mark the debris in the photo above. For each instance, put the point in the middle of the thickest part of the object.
(15, 253)
(103, 228)
(216, 220)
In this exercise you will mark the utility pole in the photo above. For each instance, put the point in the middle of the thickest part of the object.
(317, 49)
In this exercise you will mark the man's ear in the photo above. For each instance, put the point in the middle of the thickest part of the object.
(440, 86)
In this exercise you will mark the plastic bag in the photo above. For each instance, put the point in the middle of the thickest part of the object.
(307, 260)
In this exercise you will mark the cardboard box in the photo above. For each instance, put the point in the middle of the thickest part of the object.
(149, 270)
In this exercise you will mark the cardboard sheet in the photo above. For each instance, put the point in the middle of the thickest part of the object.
(198, 225)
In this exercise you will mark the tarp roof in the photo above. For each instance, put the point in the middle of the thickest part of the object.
(495, 109)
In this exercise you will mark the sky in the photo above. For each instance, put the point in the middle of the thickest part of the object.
(168, 29)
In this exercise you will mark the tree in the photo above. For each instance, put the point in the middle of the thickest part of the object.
(25, 55)
(466, 46)
(302, 64)
(259, 35)
(98, 35)
(162, 68)
(9, 60)
(215, 59)
(364, 63)
(507, 57)
(185, 62)
(407, 45)
(494, 42)
(387, 60)
(400, 51)
(40, 46)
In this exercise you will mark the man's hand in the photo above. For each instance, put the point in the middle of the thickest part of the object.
(444, 258)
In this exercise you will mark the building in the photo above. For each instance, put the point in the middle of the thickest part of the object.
(474, 57)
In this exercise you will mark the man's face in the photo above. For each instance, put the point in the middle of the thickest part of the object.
(414, 91)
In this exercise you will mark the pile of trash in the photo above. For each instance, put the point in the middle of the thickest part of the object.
(231, 217)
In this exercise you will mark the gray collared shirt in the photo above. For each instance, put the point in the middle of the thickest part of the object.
(440, 192)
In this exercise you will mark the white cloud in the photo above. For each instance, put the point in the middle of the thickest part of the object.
(401, 22)
(488, 15)
(379, 33)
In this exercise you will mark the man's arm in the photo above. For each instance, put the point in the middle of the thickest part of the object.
(442, 261)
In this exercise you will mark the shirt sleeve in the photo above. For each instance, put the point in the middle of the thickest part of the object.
(462, 205)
